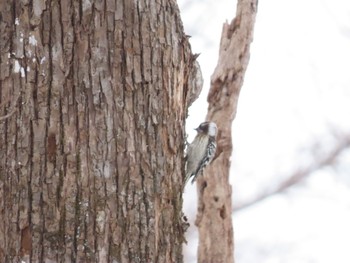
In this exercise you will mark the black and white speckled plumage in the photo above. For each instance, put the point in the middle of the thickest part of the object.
(201, 151)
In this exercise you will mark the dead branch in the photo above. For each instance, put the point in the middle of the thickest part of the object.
(301, 174)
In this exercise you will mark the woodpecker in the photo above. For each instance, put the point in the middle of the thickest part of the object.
(202, 150)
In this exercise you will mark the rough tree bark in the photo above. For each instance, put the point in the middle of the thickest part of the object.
(93, 99)
(214, 191)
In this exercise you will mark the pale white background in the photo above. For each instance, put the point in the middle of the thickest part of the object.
(294, 107)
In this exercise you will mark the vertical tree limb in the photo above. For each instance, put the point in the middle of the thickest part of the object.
(91, 158)
(214, 206)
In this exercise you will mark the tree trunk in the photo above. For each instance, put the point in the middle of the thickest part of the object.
(214, 191)
(92, 109)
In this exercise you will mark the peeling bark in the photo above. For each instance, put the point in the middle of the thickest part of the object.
(214, 219)
(90, 160)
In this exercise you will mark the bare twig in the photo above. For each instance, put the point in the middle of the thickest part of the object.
(12, 108)
(2, 118)
(301, 174)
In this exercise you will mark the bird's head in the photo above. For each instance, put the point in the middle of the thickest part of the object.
(208, 128)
